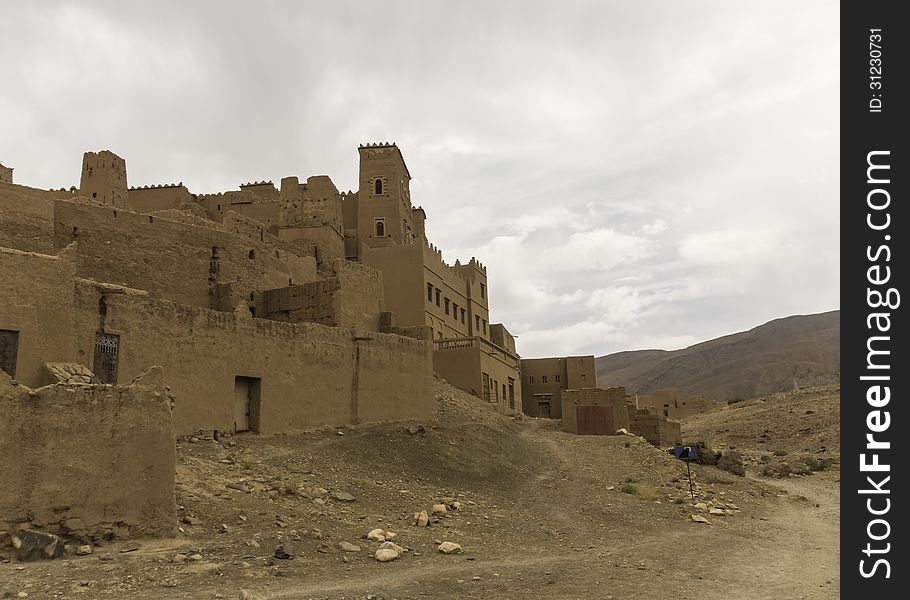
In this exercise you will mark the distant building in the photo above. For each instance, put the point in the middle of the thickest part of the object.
(543, 379)
(672, 404)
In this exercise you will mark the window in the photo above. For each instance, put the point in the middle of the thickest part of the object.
(503, 391)
(476, 322)
(462, 315)
(107, 351)
(531, 379)
(377, 186)
(9, 349)
(582, 376)
(455, 311)
(429, 292)
(380, 227)
(557, 378)
(543, 379)
(511, 393)
(484, 325)
(447, 305)
(437, 297)
(483, 290)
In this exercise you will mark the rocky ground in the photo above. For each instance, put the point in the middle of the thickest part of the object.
(537, 513)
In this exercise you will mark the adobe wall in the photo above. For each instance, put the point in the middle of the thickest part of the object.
(88, 461)
(402, 275)
(536, 369)
(36, 300)
(463, 363)
(176, 261)
(159, 197)
(6, 174)
(26, 218)
(310, 374)
(613, 397)
(458, 362)
(580, 372)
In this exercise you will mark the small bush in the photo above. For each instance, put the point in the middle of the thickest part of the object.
(780, 453)
(765, 458)
(629, 488)
(679, 500)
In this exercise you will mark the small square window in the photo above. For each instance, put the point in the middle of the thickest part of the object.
(582, 376)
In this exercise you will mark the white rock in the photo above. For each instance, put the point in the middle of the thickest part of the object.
(386, 554)
(701, 506)
(377, 535)
(439, 509)
(348, 547)
(421, 519)
(449, 548)
(716, 511)
(699, 519)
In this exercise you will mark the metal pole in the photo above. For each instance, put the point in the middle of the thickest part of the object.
(691, 489)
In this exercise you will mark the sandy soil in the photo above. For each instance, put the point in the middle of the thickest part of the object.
(543, 514)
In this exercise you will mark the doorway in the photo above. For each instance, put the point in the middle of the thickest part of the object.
(246, 403)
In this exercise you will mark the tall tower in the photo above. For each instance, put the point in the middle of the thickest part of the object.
(104, 179)
(385, 216)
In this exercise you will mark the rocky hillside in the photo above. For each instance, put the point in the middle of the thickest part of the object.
(796, 351)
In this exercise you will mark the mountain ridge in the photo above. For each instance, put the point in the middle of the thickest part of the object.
(782, 354)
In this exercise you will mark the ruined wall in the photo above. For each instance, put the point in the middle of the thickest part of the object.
(352, 298)
(309, 374)
(88, 461)
(614, 398)
(672, 404)
(26, 218)
(179, 262)
(654, 428)
(36, 302)
(6, 174)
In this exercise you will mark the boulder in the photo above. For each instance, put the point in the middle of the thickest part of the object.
(36, 545)
(348, 547)
(421, 519)
(439, 509)
(732, 461)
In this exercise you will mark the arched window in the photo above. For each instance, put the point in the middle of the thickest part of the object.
(377, 187)
(380, 229)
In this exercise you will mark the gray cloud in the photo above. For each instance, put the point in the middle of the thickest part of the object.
(633, 174)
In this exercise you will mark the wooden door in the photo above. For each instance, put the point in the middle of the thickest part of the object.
(241, 404)
(594, 420)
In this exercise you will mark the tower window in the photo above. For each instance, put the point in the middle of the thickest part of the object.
(447, 306)
(377, 187)
(483, 290)
(429, 292)
(437, 297)
(380, 227)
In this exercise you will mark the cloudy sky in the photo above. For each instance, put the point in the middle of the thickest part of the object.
(634, 174)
